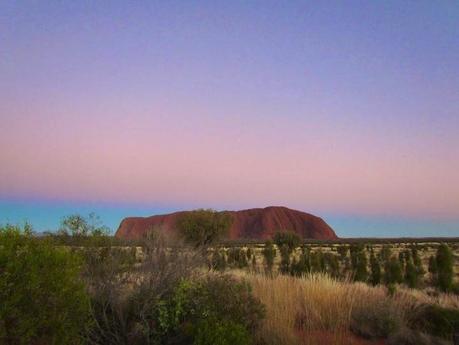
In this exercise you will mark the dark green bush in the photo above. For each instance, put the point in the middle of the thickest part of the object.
(211, 332)
(359, 262)
(210, 308)
(269, 253)
(332, 264)
(438, 321)
(203, 227)
(393, 272)
(445, 272)
(287, 238)
(218, 261)
(317, 261)
(237, 257)
(376, 321)
(302, 265)
(285, 259)
(411, 275)
(342, 251)
(42, 298)
(375, 267)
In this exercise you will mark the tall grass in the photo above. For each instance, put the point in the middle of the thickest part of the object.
(298, 308)
(318, 309)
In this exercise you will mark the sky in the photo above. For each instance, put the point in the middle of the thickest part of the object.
(347, 110)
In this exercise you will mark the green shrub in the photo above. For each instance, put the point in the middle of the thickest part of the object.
(42, 298)
(287, 238)
(438, 321)
(317, 261)
(342, 251)
(269, 253)
(375, 267)
(302, 265)
(332, 264)
(210, 308)
(393, 272)
(359, 263)
(376, 321)
(445, 272)
(218, 261)
(203, 227)
(210, 332)
(126, 301)
(411, 275)
(285, 258)
(237, 257)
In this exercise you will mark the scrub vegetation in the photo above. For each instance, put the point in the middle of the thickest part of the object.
(81, 286)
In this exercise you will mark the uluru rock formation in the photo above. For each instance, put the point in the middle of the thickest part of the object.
(255, 223)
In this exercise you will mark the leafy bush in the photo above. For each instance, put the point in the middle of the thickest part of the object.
(285, 258)
(302, 265)
(359, 263)
(216, 307)
(211, 332)
(438, 321)
(411, 275)
(269, 253)
(445, 272)
(287, 238)
(125, 300)
(375, 278)
(393, 271)
(376, 321)
(218, 261)
(203, 227)
(42, 297)
(237, 257)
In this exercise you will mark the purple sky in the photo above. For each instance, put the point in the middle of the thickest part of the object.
(346, 110)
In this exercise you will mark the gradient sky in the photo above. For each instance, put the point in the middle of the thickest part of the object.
(348, 110)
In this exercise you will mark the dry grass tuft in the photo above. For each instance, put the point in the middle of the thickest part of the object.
(317, 309)
(296, 307)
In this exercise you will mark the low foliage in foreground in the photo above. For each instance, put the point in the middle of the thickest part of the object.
(42, 298)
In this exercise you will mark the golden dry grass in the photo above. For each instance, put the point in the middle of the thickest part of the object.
(317, 309)
(315, 303)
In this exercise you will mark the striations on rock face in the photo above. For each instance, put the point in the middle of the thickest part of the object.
(256, 223)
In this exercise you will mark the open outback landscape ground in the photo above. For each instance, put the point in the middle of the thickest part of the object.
(80, 286)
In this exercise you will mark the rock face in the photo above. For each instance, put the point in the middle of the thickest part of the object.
(256, 223)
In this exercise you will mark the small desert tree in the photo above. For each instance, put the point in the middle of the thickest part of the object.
(288, 238)
(411, 275)
(375, 269)
(433, 269)
(445, 272)
(285, 258)
(359, 263)
(393, 271)
(203, 227)
(287, 242)
(78, 225)
(269, 253)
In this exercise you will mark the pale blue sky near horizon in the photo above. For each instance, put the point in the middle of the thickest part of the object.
(46, 216)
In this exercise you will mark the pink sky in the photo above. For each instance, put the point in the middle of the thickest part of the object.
(328, 108)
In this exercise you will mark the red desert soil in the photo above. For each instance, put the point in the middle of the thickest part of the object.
(256, 223)
(329, 338)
